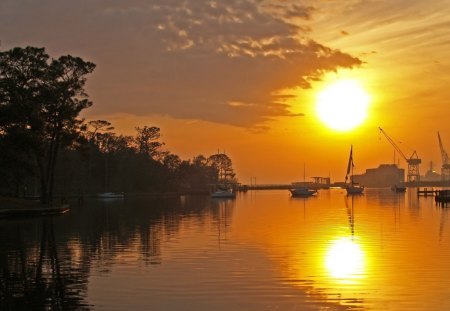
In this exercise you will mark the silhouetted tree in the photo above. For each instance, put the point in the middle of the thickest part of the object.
(98, 127)
(15, 167)
(223, 166)
(40, 100)
(196, 175)
(146, 140)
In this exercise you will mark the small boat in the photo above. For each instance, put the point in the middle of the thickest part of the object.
(223, 194)
(111, 195)
(302, 192)
(352, 188)
(398, 188)
(355, 189)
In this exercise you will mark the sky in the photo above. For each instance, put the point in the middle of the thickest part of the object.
(243, 76)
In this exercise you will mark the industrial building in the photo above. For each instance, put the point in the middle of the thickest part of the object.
(385, 175)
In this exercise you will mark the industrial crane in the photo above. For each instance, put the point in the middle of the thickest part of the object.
(445, 169)
(413, 161)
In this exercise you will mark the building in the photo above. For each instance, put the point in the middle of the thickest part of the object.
(431, 175)
(385, 175)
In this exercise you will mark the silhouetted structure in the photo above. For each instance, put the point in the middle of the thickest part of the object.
(445, 169)
(385, 175)
(413, 161)
(432, 175)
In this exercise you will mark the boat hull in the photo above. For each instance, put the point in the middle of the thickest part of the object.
(111, 195)
(223, 194)
(302, 192)
(355, 190)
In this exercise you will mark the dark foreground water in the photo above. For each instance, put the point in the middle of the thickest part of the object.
(262, 251)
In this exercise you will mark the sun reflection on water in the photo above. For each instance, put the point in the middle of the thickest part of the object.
(345, 260)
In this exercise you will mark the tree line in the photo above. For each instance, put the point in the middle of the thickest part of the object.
(47, 149)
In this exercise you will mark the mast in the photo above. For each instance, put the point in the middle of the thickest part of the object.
(304, 174)
(353, 165)
(350, 166)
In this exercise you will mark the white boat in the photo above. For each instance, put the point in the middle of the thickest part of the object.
(302, 192)
(352, 188)
(111, 195)
(223, 194)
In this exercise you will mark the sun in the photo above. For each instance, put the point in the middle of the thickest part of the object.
(343, 105)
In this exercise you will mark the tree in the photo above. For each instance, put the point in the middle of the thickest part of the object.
(99, 126)
(223, 166)
(196, 175)
(15, 167)
(40, 101)
(146, 140)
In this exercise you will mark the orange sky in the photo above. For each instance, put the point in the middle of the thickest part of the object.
(243, 76)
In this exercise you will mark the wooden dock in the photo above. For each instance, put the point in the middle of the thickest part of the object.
(442, 197)
(33, 212)
(425, 192)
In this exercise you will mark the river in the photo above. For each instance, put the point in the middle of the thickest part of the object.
(262, 251)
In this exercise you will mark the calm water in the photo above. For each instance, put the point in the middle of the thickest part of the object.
(262, 251)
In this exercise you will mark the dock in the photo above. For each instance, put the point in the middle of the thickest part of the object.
(442, 197)
(427, 192)
(33, 212)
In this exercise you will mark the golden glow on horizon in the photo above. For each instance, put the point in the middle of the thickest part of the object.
(343, 105)
(345, 260)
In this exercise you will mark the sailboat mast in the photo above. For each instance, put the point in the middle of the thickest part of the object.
(352, 170)
(304, 174)
(350, 164)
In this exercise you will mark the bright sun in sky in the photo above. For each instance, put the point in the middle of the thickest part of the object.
(343, 105)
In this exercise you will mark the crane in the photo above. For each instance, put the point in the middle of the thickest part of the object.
(445, 169)
(413, 161)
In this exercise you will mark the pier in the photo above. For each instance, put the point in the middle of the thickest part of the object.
(283, 186)
(426, 192)
(442, 197)
(264, 187)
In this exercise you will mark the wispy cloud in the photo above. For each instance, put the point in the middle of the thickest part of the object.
(181, 58)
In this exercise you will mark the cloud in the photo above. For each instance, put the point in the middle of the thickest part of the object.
(181, 58)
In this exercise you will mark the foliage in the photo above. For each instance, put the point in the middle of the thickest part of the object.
(40, 100)
(223, 166)
(47, 149)
(147, 140)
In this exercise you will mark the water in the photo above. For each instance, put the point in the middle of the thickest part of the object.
(262, 251)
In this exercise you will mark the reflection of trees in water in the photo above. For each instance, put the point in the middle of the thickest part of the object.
(46, 264)
(144, 224)
(42, 276)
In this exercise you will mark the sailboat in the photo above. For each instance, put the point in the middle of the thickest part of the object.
(224, 190)
(352, 188)
(226, 193)
(302, 191)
